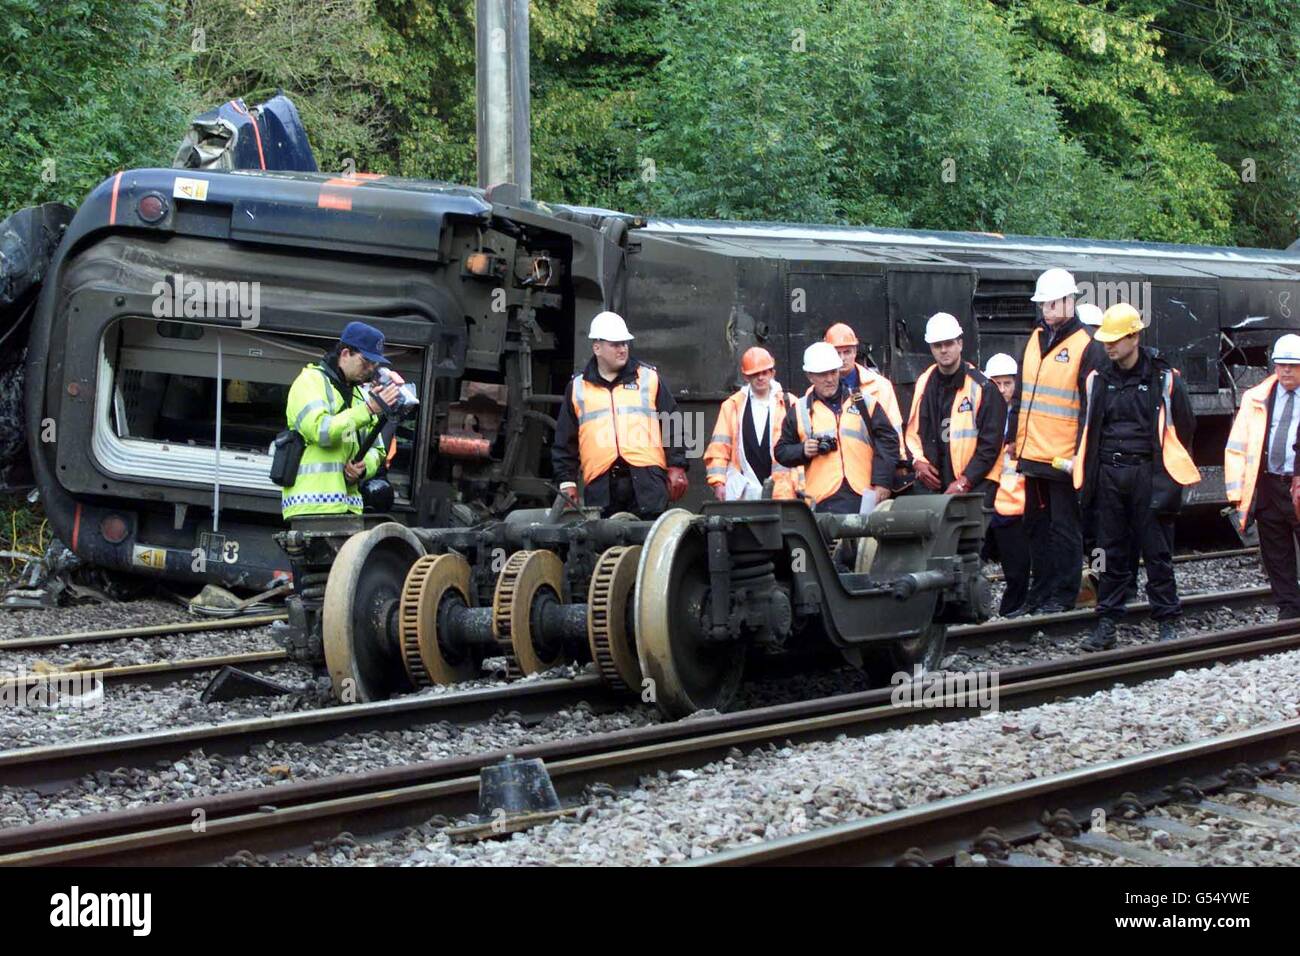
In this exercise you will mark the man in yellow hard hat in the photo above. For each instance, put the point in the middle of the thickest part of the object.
(1133, 464)
(741, 454)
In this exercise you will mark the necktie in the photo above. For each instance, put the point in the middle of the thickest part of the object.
(1277, 453)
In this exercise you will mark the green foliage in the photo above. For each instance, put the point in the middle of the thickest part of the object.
(87, 87)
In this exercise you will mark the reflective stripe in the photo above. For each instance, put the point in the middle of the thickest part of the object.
(320, 468)
(1233, 486)
(1068, 394)
(635, 410)
(721, 438)
(720, 470)
(1236, 446)
(1053, 410)
(964, 433)
(325, 498)
(323, 436)
(804, 417)
(307, 410)
(592, 416)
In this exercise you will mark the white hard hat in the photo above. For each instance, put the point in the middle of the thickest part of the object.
(1054, 284)
(610, 327)
(942, 327)
(1000, 364)
(1088, 313)
(821, 357)
(1287, 350)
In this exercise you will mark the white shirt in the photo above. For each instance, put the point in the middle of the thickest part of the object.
(1279, 402)
(760, 410)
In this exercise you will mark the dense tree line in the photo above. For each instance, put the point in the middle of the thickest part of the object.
(1172, 120)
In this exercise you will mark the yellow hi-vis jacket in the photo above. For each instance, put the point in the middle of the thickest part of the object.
(726, 451)
(621, 422)
(1049, 404)
(333, 432)
(1245, 449)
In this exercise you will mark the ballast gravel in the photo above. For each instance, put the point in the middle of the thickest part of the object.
(773, 792)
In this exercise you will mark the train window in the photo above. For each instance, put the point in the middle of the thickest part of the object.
(158, 392)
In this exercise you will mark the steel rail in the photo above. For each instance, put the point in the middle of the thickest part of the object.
(154, 673)
(291, 816)
(941, 829)
(151, 630)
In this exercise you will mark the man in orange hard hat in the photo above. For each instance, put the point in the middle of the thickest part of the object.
(741, 454)
(867, 381)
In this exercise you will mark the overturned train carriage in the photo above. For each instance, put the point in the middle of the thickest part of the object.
(180, 306)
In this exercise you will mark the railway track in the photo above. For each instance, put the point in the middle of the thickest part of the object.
(154, 673)
(1186, 558)
(292, 816)
(1072, 806)
(151, 630)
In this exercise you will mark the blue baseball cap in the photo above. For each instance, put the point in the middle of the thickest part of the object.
(366, 339)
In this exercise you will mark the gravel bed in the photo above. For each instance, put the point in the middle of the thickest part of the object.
(1230, 843)
(773, 792)
(90, 617)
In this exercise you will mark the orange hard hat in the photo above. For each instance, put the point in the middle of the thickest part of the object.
(756, 360)
(840, 335)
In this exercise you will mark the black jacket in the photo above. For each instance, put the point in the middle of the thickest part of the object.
(883, 435)
(990, 422)
(650, 483)
(1094, 357)
(1166, 494)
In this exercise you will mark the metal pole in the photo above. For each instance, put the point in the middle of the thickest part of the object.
(503, 101)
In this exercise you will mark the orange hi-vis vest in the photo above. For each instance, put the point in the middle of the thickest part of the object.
(1049, 404)
(1010, 497)
(726, 447)
(962, 429)
(879, 389)
(619, 422)
(1245, 448)
(852, 460)
(1178, 463)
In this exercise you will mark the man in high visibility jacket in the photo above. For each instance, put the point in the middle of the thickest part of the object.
(610, 430)
(859, 377)
(740, 456)
(325, 409)
(1259, 471)
(1133, 464)
(958, 418)
(1058, 358)
(1005, 540)
(846, 444)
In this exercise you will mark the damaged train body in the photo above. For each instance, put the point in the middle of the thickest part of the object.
(181, 304)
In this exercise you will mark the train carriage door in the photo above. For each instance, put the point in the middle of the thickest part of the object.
(914, 296)
(818, 299)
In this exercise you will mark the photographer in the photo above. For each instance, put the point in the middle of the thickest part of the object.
(324, 408)
(845, 441)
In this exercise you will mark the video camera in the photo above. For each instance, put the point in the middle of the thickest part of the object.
(407, 400)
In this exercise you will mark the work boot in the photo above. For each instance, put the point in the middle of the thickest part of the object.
(1168, 630)
(1102, 637)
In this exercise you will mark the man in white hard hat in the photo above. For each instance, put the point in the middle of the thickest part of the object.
(1059, 356)
(1089, 314)
(1132, 466)
(609, 430)
(1259, 471)
(958, 418)
(1005, 541)
(845, 442)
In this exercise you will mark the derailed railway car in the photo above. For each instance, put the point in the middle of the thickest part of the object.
(181, 304)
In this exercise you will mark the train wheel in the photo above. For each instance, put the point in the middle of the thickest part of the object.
(671, 602)
(527, 575)
(623, 516)
(359, 618)
(434, 581)
(613, 647)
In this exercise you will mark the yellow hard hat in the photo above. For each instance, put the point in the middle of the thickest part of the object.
(1119, 321)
